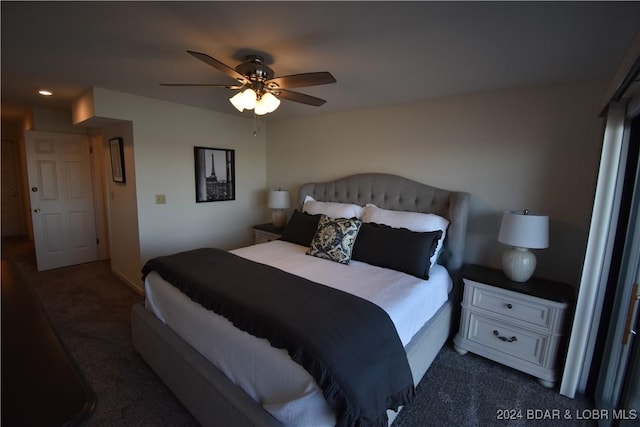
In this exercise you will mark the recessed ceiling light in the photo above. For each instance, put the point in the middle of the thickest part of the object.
(44, 92)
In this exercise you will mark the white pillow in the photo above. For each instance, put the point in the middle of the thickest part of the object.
(414, 221)
(331, 209)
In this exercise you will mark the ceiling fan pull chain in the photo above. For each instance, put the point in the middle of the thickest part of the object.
(256, 124)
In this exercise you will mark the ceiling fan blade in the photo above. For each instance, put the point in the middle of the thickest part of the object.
(299, 97)
(220, 66)
(301, 80)
(203, 85)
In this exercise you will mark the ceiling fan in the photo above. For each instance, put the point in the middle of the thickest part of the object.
(258, 89)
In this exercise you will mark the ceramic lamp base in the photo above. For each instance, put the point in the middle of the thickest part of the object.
(518, 264)
(279, 218)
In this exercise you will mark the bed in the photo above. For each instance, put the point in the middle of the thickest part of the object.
(207, 391)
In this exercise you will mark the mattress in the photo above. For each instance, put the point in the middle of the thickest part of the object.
(255, 366)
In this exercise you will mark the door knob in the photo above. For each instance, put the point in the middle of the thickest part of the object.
(36, 210)
(34, 189)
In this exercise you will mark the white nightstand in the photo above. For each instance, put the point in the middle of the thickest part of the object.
(266, 232)
(517, 324)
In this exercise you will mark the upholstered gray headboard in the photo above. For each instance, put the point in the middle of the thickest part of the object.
(397, 193)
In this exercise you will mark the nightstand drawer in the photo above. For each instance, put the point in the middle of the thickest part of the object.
(513, 305)
(521, 343)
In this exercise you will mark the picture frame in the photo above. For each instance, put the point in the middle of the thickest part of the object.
(117, 160)
(215, 174)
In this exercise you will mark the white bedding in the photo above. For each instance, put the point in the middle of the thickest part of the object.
(255, 366)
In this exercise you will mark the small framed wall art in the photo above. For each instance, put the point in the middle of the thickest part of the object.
(117, 160)
(215, 174)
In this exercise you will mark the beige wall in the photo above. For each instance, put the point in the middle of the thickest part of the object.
(159, 159)
(534, 148)
(122, 207)
(53, 120)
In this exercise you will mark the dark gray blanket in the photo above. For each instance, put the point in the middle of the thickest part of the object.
(349, 345)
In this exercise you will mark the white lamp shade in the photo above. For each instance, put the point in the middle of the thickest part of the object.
(249, 99)
(270, 102)
(261, 108)
(524, 230)
(237, 101)
(279, 199)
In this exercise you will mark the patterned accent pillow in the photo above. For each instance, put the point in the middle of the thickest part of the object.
(334, 239)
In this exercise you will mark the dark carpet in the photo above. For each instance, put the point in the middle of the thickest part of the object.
(90, 309)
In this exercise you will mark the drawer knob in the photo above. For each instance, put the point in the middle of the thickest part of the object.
(505, 339)
(509, 306)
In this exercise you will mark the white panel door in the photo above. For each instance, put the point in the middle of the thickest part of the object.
(60, 190)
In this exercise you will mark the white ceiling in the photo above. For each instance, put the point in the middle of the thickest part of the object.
(381, 53)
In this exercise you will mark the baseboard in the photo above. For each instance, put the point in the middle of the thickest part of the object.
(138, 289)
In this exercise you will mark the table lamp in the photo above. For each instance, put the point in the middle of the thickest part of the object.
(279, 201)
(523, 231)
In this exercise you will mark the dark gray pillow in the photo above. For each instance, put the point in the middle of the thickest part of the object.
(396, 248)
(301, 228)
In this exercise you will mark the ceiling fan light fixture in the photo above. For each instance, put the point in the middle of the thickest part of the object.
(270, 101)
(244, 100)
(238, 101)
(249, 98)
(261, 108)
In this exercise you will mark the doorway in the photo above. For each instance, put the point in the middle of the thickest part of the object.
(61, 198)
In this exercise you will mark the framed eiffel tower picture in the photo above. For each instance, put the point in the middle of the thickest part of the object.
(215, 174)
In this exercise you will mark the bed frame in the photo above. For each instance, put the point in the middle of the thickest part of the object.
(214, 400)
